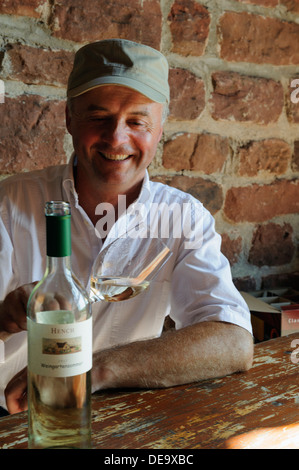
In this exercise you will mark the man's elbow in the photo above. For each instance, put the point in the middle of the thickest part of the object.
(245, 351)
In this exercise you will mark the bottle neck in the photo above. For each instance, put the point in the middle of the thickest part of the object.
(58, 229)
(58, 264)
(58, 236)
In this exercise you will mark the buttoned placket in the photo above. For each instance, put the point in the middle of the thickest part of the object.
(123, 226)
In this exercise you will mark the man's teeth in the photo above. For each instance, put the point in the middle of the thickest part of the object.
(110, 156)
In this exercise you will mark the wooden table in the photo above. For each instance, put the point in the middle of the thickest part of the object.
(255, 409)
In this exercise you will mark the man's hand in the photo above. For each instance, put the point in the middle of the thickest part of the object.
(16, 393)
(13, 309)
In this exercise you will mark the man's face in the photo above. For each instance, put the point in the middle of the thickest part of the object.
(115, 133)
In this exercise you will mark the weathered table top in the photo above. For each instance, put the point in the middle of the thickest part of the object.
(255, 409)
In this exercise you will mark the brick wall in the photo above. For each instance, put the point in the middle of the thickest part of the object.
(232, 138)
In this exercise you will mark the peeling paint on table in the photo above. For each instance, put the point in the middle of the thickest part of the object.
(254, 409)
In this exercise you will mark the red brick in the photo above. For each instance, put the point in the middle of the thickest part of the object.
(23, 8)
(39, 66)
(295, 160)
(246, 99)
(254, 38)
(259, 203)
(291, 5)
(178, 151)
(204, 152)
(231, 248)
(189, 25)
(273, 281)
(246, 283)
(187, 95)
(271, 155)
(272, 245)
(208, 192)
(31, 134)
(137, 20)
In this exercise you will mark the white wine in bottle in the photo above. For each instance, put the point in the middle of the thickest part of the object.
(59, 327)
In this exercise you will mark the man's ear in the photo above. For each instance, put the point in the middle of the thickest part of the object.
(161, 132)
(68, 119)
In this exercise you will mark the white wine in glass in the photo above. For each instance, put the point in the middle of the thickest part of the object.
(126, 267)
(115, 289)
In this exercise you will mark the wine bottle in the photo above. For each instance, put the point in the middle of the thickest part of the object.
(59, 328)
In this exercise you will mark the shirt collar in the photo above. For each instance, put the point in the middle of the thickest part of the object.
(142, 202)
(68, 182)
(145, 195)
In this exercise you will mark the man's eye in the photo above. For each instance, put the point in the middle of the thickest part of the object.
(96, 118)
(137, 123)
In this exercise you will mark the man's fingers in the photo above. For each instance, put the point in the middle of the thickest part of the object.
(16, 393)
(13, 309)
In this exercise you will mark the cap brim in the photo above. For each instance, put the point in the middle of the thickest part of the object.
(128, 82)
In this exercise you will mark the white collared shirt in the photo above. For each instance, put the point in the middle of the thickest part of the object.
(194, 285)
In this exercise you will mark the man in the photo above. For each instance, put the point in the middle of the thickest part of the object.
(117, 96)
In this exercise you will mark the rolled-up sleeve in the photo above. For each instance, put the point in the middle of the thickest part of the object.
(15, 347)
(202, 286)
(7, 277)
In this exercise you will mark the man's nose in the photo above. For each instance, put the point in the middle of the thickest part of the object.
(115, 133)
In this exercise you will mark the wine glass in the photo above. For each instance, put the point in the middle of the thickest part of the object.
(126, 267)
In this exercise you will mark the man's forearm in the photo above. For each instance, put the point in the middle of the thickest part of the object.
(197, 352)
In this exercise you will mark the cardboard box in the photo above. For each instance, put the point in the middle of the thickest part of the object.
(274, 312)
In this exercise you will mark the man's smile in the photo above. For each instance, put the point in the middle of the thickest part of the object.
(115, 157)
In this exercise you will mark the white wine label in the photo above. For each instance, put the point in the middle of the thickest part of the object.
(61, 349)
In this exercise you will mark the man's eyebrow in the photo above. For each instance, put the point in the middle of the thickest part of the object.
(95, 107)
(141, 113)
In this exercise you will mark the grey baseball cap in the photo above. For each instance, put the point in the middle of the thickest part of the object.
(120, 62)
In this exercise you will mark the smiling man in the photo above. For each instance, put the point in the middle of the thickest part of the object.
(118, 96)
(115, 133)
